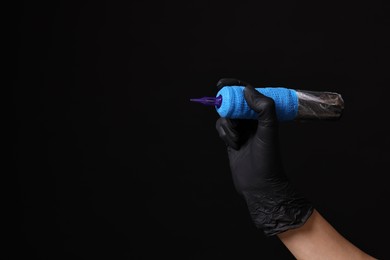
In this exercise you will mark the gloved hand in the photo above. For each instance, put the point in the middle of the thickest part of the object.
(256, 165)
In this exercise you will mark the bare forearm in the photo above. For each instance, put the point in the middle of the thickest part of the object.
(317, 239)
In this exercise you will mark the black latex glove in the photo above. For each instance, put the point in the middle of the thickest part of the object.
(256, 165)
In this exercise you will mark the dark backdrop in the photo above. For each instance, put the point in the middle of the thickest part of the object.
(114, 161)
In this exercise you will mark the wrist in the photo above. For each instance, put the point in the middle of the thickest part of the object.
(276, 214)
(318, 238)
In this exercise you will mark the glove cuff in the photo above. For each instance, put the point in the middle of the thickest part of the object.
(277, 214)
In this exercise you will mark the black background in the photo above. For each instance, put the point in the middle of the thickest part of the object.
(114, 162)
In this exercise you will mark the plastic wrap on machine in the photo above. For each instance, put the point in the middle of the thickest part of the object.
(319, 105)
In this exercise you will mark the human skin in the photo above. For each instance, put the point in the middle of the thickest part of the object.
(318, 239)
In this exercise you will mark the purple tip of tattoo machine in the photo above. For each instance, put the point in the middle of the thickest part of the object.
(209, 101)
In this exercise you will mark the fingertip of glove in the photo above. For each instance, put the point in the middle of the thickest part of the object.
(249, 90)
(250, 95)
(230, 82)
(221, 82)
(226, 132)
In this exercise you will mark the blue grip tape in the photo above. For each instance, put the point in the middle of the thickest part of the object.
(234, 104)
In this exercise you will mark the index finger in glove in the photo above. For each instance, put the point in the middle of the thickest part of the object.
(230, 82)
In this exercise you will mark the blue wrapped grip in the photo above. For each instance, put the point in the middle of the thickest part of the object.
(234, 105)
